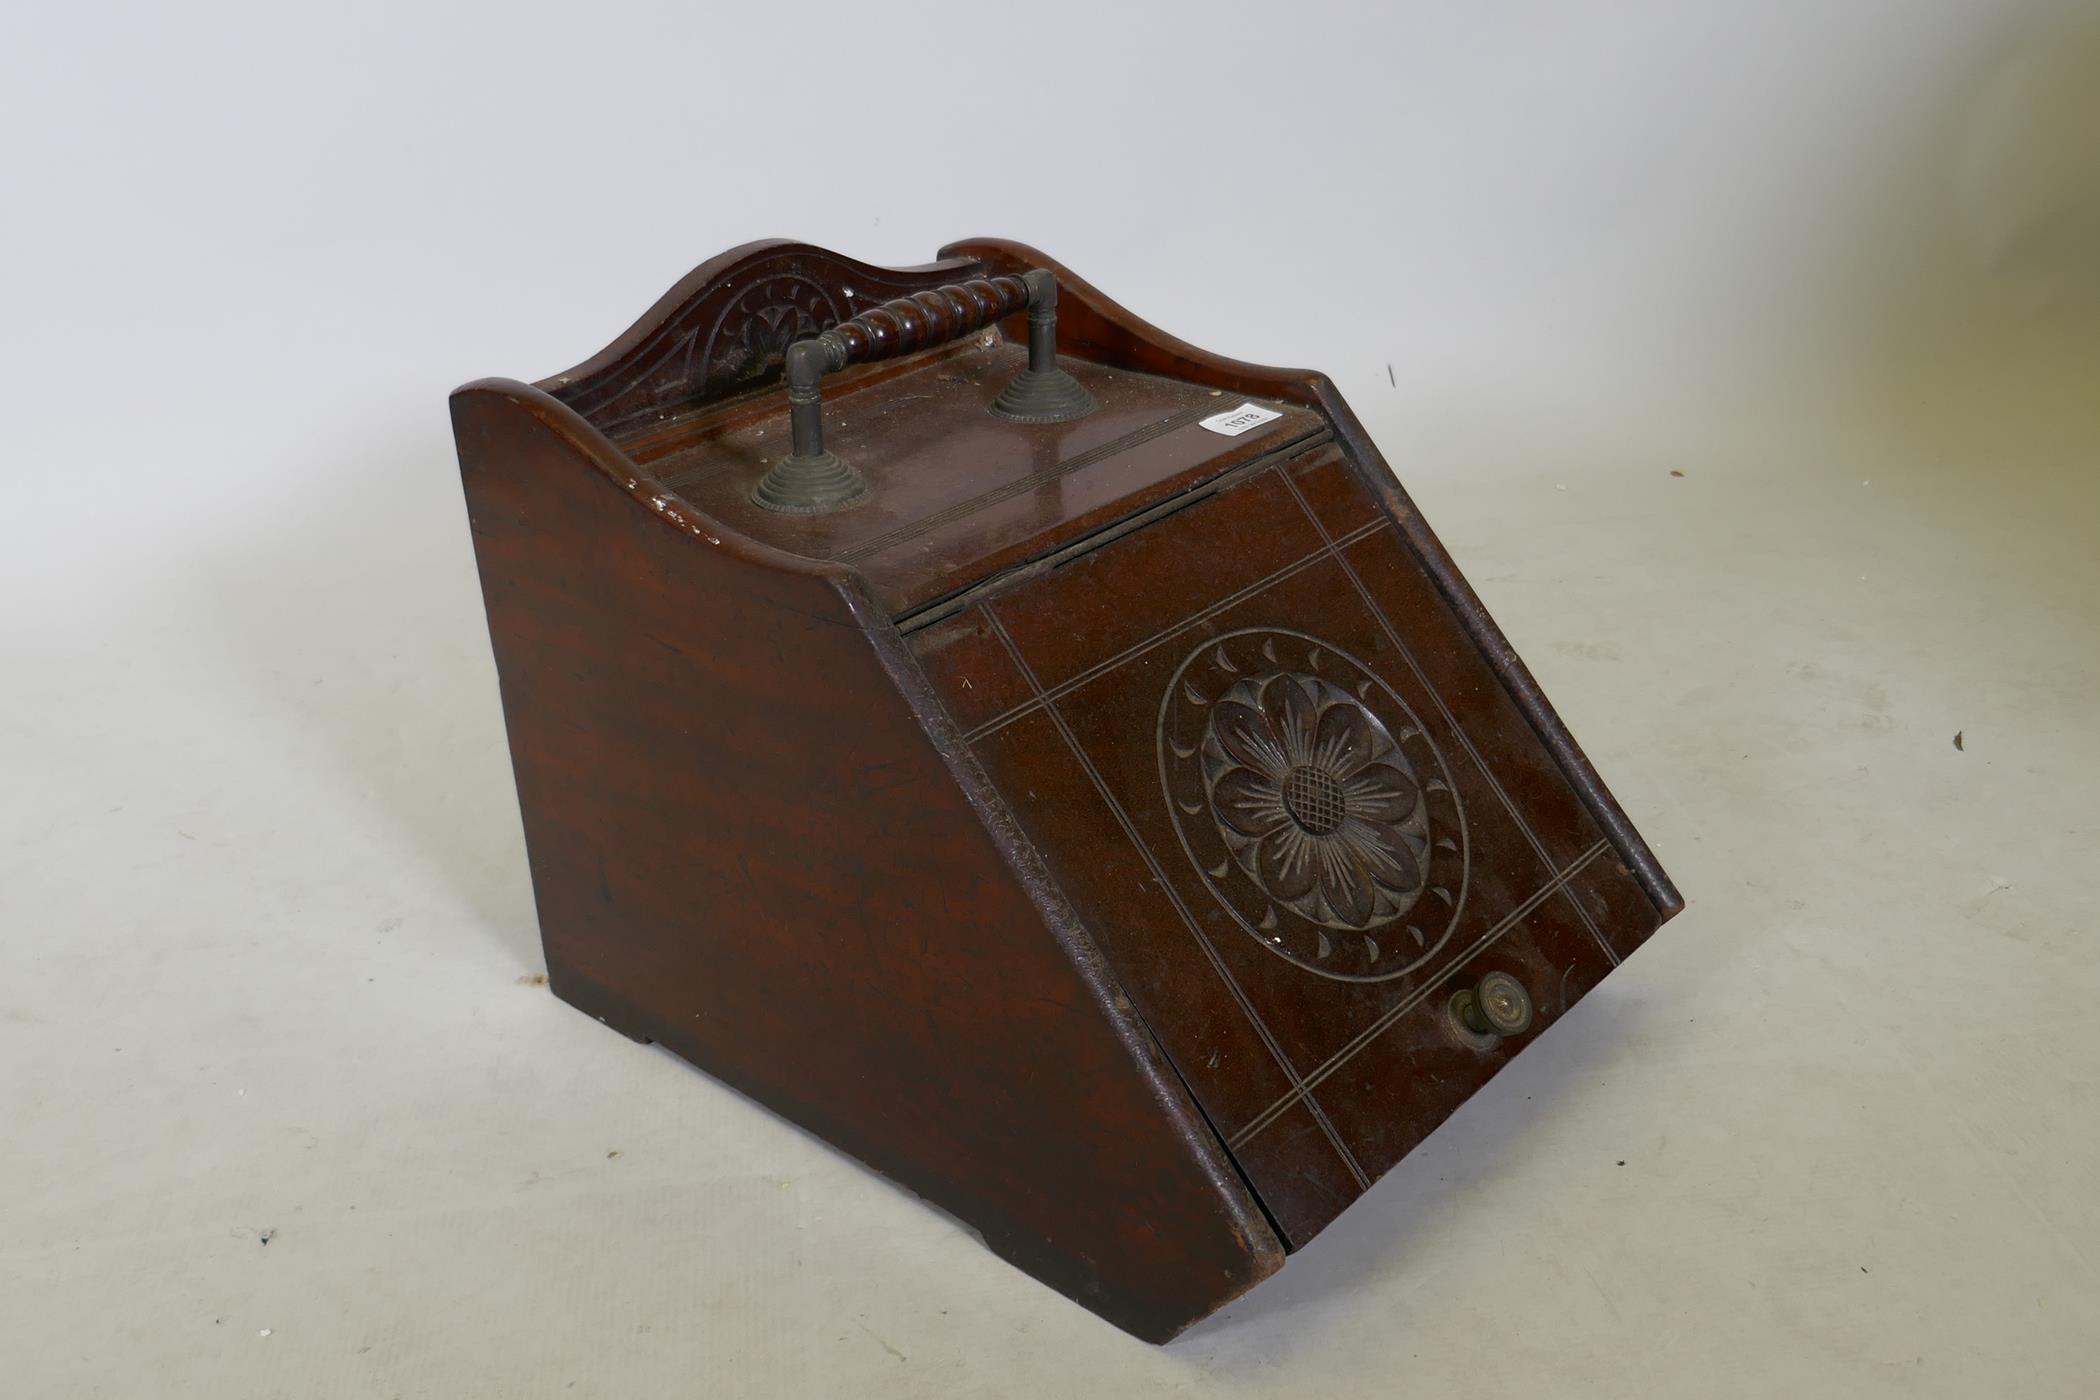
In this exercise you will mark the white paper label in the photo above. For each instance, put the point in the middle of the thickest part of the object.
(1234, 421)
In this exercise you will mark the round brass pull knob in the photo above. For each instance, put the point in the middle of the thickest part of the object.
(1496, 1005)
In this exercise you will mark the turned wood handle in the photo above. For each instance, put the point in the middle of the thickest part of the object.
(810, 479)
(926, 318)
(912, 323)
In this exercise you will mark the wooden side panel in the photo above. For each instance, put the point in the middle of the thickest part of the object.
(746, 845)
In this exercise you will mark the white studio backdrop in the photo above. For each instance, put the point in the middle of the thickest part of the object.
(285, 1113)
(250, 247)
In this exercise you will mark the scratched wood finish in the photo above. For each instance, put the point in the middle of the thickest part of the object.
(955, 826)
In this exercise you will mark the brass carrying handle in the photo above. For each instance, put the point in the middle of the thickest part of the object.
(810, 479)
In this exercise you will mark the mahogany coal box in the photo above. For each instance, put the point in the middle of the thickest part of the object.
(1052, 763)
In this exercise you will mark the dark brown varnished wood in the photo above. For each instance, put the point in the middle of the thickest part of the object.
(723, 329)
(1051, 674)
(958, 493)
(754, 841)
(932, 822)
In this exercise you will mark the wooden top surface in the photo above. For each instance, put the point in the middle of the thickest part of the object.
(958, 493)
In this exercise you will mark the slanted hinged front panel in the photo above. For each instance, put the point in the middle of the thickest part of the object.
(1298, 810)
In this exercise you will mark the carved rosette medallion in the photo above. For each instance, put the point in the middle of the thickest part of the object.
(1313, 804)
(753, 330)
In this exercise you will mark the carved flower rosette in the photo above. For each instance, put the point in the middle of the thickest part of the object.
(753, 330)
(1313, 804)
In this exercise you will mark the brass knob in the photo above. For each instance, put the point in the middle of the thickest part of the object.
(1496, 1005)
